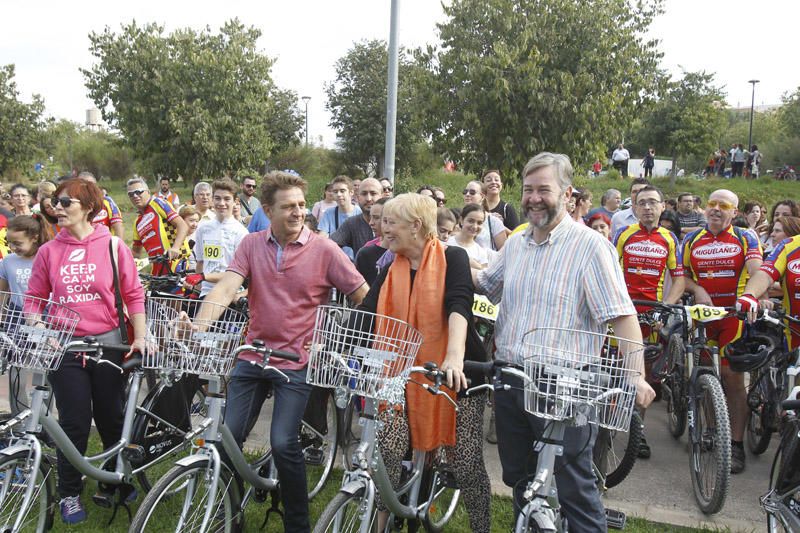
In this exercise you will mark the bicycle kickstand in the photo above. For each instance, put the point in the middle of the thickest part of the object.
(275, 500)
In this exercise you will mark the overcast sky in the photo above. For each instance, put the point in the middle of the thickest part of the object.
(47, 41)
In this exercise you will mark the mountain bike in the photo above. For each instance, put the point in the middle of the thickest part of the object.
(782, 501)
(695, 399)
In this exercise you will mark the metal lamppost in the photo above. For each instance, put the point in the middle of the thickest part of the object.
(306, 99)
(752, 106)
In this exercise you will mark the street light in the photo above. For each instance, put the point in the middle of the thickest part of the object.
(752, 105)
(306, 99)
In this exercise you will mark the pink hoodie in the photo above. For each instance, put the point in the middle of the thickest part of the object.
(78, 275)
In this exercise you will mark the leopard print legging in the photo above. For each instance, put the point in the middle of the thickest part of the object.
(465, 458)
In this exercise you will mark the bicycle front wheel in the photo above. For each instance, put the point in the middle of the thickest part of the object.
(710, 451)
(615, 452)
(442, 497)
(762, 413)
(320, 445)
(17, 473)
(676, 399)
(178, 502)
(346, 513)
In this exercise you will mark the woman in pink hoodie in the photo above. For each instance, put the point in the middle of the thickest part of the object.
(75, 270)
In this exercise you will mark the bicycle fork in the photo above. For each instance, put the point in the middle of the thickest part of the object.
(541, 493)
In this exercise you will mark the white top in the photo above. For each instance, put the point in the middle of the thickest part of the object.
(475, 251)
(495, 225)
(215, 245)
(620, 154)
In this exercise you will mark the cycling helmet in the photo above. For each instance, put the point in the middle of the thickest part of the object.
(749, 353)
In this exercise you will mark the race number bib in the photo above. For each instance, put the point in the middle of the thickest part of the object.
(482, 307)
(705, 313)
(212, 251)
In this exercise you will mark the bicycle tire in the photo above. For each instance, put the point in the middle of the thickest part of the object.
(13, 483)
(345, 513)
(759, 422)
(154, 437)
(775, 522)
(348, 439)
(164, 505)
(315, 443)
(621, 451)
(713, 452)
(441, 496)
(677, 407)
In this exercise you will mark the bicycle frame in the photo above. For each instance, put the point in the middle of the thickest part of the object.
(542, 493)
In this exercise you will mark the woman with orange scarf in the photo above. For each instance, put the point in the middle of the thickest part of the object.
(429, 286)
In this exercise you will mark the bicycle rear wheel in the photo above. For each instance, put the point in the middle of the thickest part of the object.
(346, 513)
(16, 474)
(781, 518)
(615, 452)
(762, 414)
(178, 501)
(710, 451)
(676, 399)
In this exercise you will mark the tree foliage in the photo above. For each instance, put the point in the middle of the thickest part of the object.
(687, 120)
(357, 103)
(21, 124)
(789, 113)
(191, 103)
(74, 147)
(515, 77)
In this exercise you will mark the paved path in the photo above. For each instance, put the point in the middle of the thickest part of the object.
(658, 489)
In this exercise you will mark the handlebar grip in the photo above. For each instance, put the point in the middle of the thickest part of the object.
(790, 405)
(132, 363)
(479, 367)
(280, 354)
(647, 303)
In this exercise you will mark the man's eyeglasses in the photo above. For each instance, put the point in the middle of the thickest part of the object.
(470, 191)
(64, 201)
(136, 192)
(249, 186)
(722, 205)
(648, 203)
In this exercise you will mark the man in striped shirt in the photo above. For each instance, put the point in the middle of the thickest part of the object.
(563, 275)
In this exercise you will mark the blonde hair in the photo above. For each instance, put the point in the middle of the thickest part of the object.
(411, 206)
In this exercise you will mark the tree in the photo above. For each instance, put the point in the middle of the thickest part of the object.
(191, 103)
(789, 112)
(687, 120)
(102, 153)
(357, 103)
(21, 124)
(515, 77)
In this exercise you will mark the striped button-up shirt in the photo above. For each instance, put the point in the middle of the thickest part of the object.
(571, 280)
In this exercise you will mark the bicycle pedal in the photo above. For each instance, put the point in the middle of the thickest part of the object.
(448, 478)
(314, 456)
(103, 500)
(615, 519)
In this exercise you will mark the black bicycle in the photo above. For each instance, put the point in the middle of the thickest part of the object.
(782, 501)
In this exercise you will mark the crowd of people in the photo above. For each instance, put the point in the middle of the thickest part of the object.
(560, 262)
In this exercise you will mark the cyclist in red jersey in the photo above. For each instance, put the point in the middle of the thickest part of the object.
(109, 214)
(782, 265)
(719, 259)
(646, 253)
(159, 229)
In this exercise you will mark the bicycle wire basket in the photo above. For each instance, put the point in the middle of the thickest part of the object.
(174, 345)
(580, 376)
(34, 332)
(364, 353)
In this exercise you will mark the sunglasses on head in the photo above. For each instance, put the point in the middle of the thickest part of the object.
(136, 192)
(63, 201)
(719, 204)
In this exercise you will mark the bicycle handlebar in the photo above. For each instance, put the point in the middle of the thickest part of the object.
(90, 343)
(259, 347)
(790, 405)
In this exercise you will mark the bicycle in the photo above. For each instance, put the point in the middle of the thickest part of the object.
(691, 379)
(37, 342)
(782, 501)
(372, 356)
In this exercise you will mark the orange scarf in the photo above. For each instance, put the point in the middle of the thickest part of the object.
(431, 419)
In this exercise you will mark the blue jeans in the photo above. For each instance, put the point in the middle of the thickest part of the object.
(577, 491)
(247, 390)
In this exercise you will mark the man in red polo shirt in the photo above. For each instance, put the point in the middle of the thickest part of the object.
(719, 259)
(291, 271)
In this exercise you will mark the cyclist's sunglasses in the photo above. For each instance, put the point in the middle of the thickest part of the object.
(719, 204)
(136, 192)
(64, 201)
